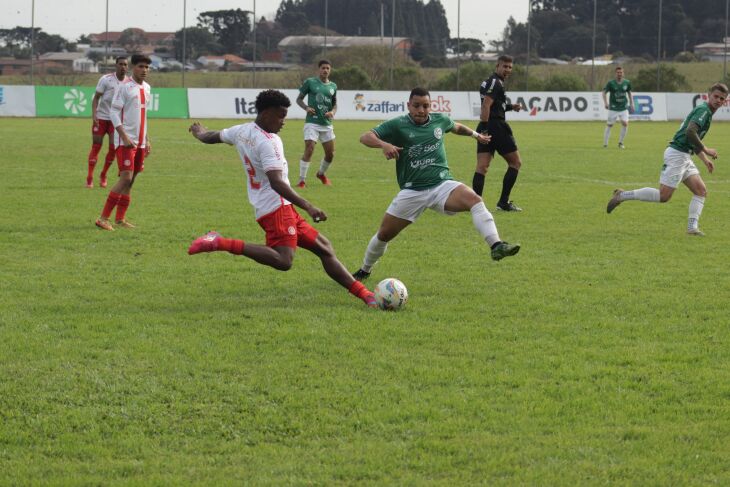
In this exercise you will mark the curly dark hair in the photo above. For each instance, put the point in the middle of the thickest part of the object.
(271, 98)
(418, 91)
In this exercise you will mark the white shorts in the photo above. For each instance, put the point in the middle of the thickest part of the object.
(408, 204)
(623, 115)
(677, 167)
(322, 133)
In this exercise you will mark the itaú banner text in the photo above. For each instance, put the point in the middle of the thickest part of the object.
(567, 106)
(351, 105)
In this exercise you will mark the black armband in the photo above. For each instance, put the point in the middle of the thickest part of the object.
(507, 107)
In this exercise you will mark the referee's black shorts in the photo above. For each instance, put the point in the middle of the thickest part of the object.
(502, 141)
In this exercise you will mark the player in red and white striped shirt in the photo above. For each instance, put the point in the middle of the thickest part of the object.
(273, 198)
(100, 107)
(129, 116)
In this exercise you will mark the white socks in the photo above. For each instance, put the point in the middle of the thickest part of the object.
(606, 134)
(323, 166)
(376, 249)
(303, 169)
(644, 194)
(695, 210)
(622, 134)
(484, 223)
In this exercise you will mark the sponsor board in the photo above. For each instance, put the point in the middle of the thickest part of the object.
(233, 103)
(573, 106)
(17, 101)
(680, 104)
(382, 105)
(75, 101)
(351, 105)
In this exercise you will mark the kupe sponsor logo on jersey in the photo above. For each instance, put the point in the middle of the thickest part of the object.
(75, 101)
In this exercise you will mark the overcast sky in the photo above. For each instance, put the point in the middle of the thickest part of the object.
(482, 19)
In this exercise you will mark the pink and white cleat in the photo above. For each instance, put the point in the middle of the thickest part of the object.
(207, 243)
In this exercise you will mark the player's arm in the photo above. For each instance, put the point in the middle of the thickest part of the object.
(460, 129)
(331, 113)
(370, 139)
(631, 101)
(115, 115)
(700, 149)
(284, 190)
(204, 135)
(95, 105)
(605, 100)
(486, 107)
(304, 106)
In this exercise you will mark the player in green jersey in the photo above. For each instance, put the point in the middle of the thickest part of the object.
(678, 166)
(618, 104)
(321, 107)
(416, 142)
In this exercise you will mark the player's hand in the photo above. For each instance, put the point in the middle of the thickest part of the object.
(95, 119)
(128, 143)
(606, 105)
(484, 138)
(147, 148)
(711, 152)
(517, 107)
(710, 165)
(391, 151)
(317, 214)
(311, 111)
(329, 115)
(196, 129)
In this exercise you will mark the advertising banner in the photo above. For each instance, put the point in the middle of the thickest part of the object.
(573, 106)
(75, 101)
(232, 103)
(168, 103)
(63, 101)
(17, 101)
(680, 104)
(351, 105)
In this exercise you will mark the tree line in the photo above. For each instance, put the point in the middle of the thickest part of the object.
(631, 27)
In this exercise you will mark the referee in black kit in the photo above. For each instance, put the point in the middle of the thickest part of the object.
(492, 121)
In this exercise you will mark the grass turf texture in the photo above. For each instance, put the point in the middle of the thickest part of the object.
(597, 355)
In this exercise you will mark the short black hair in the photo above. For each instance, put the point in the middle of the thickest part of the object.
(504, 58)
(271, 99)
(323, 61)
(618, 67)
(721, 87)
(140, 58)
(418, 91)
(119, 58)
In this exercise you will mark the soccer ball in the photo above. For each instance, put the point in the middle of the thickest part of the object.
(391, 294)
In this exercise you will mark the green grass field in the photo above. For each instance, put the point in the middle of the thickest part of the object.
(598, 355)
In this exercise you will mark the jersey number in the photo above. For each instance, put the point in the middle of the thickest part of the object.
(251, 173)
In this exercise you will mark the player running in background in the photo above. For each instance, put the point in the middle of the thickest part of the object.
(100, 105)
(416, 142)
(678, 166)
(492, 121)
(321, 107)
(129, 117)
(269, 192)
(619, 101)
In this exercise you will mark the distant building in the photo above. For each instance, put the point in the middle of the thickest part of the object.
(713, 51)
(292, 47)
(219, 62)
(71, 61)
(155, 40)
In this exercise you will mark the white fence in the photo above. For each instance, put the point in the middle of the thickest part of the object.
(20, 101)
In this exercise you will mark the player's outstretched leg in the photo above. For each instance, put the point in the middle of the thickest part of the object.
(323, 249)
(280, 258)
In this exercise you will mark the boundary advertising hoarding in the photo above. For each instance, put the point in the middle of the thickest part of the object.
(75, 101)
(17, 101)
(680, 104)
